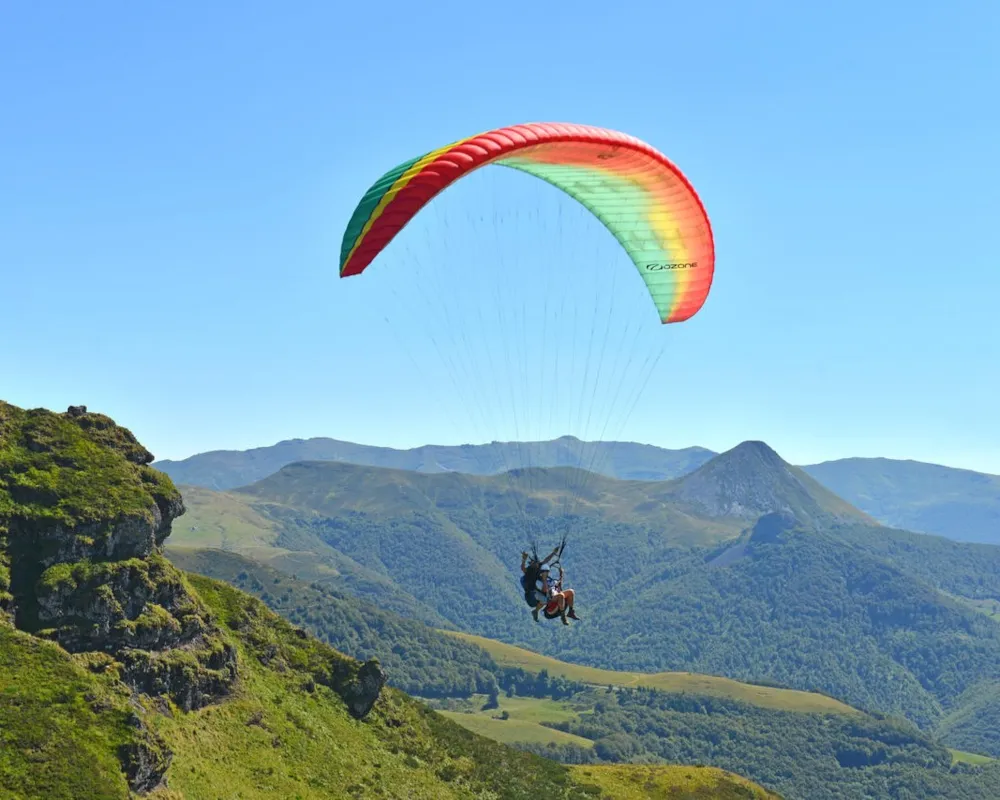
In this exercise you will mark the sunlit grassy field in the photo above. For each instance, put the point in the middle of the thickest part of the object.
(524, 722)
(959, 756)
(763, 696)
(634, 782)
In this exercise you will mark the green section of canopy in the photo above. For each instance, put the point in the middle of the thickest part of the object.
(623, 207)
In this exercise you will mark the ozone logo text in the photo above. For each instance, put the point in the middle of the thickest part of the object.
(678, 265)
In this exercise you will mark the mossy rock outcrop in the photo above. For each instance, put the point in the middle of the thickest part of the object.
(82, 518)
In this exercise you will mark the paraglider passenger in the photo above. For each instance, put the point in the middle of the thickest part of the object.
(540, 593)
(560, 601)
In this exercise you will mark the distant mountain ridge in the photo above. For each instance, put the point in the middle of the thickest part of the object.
(957, 503)
(228, 469)
(960, 504)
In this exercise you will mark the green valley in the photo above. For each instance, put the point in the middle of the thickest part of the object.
(578, 714)
(745, 569)
(121, 676)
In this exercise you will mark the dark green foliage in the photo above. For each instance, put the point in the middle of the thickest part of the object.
(418, 659)
(964, 570)
(797, 754)
(975, 725)
(810, 612)
(563, 752)
(879, 618)
(420, 552)
(801, 756)
(807, 609)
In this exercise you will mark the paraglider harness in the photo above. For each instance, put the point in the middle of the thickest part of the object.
(529, 580)
(550, 603)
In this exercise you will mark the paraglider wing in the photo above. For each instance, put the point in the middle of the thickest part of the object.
(633, 189)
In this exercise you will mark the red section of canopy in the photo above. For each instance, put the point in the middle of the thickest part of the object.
(470, 154)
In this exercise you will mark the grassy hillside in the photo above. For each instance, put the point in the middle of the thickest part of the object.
(742, 483)
(431, 663)
(708, 685)
(957, 503)
(751, 480)
(961, 757)
(227, 469)
(419, 659)
(758, 731)
(61, 725)
(395, 537)
(414, 528)
(516, 720)
(225, 521)
(331, 489)
(671, 783)
(284, 732)
(278, 537)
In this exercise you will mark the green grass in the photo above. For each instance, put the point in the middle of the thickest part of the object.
(57, 468)
(990, 607)
(525, 715)
(229, 522)
(960, 757)
(286, 733)
(222, 520)
(634, 782)
(513, 731)
(693, 683)
(60, 725)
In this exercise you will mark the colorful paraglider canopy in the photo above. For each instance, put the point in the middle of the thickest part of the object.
(633, 189)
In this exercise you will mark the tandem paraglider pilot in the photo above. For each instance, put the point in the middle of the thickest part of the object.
(544, 594)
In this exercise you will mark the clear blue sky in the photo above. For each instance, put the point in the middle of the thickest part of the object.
(175, 180)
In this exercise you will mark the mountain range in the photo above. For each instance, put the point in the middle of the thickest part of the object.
(122, 677)
(746, 567)
(956, 503)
